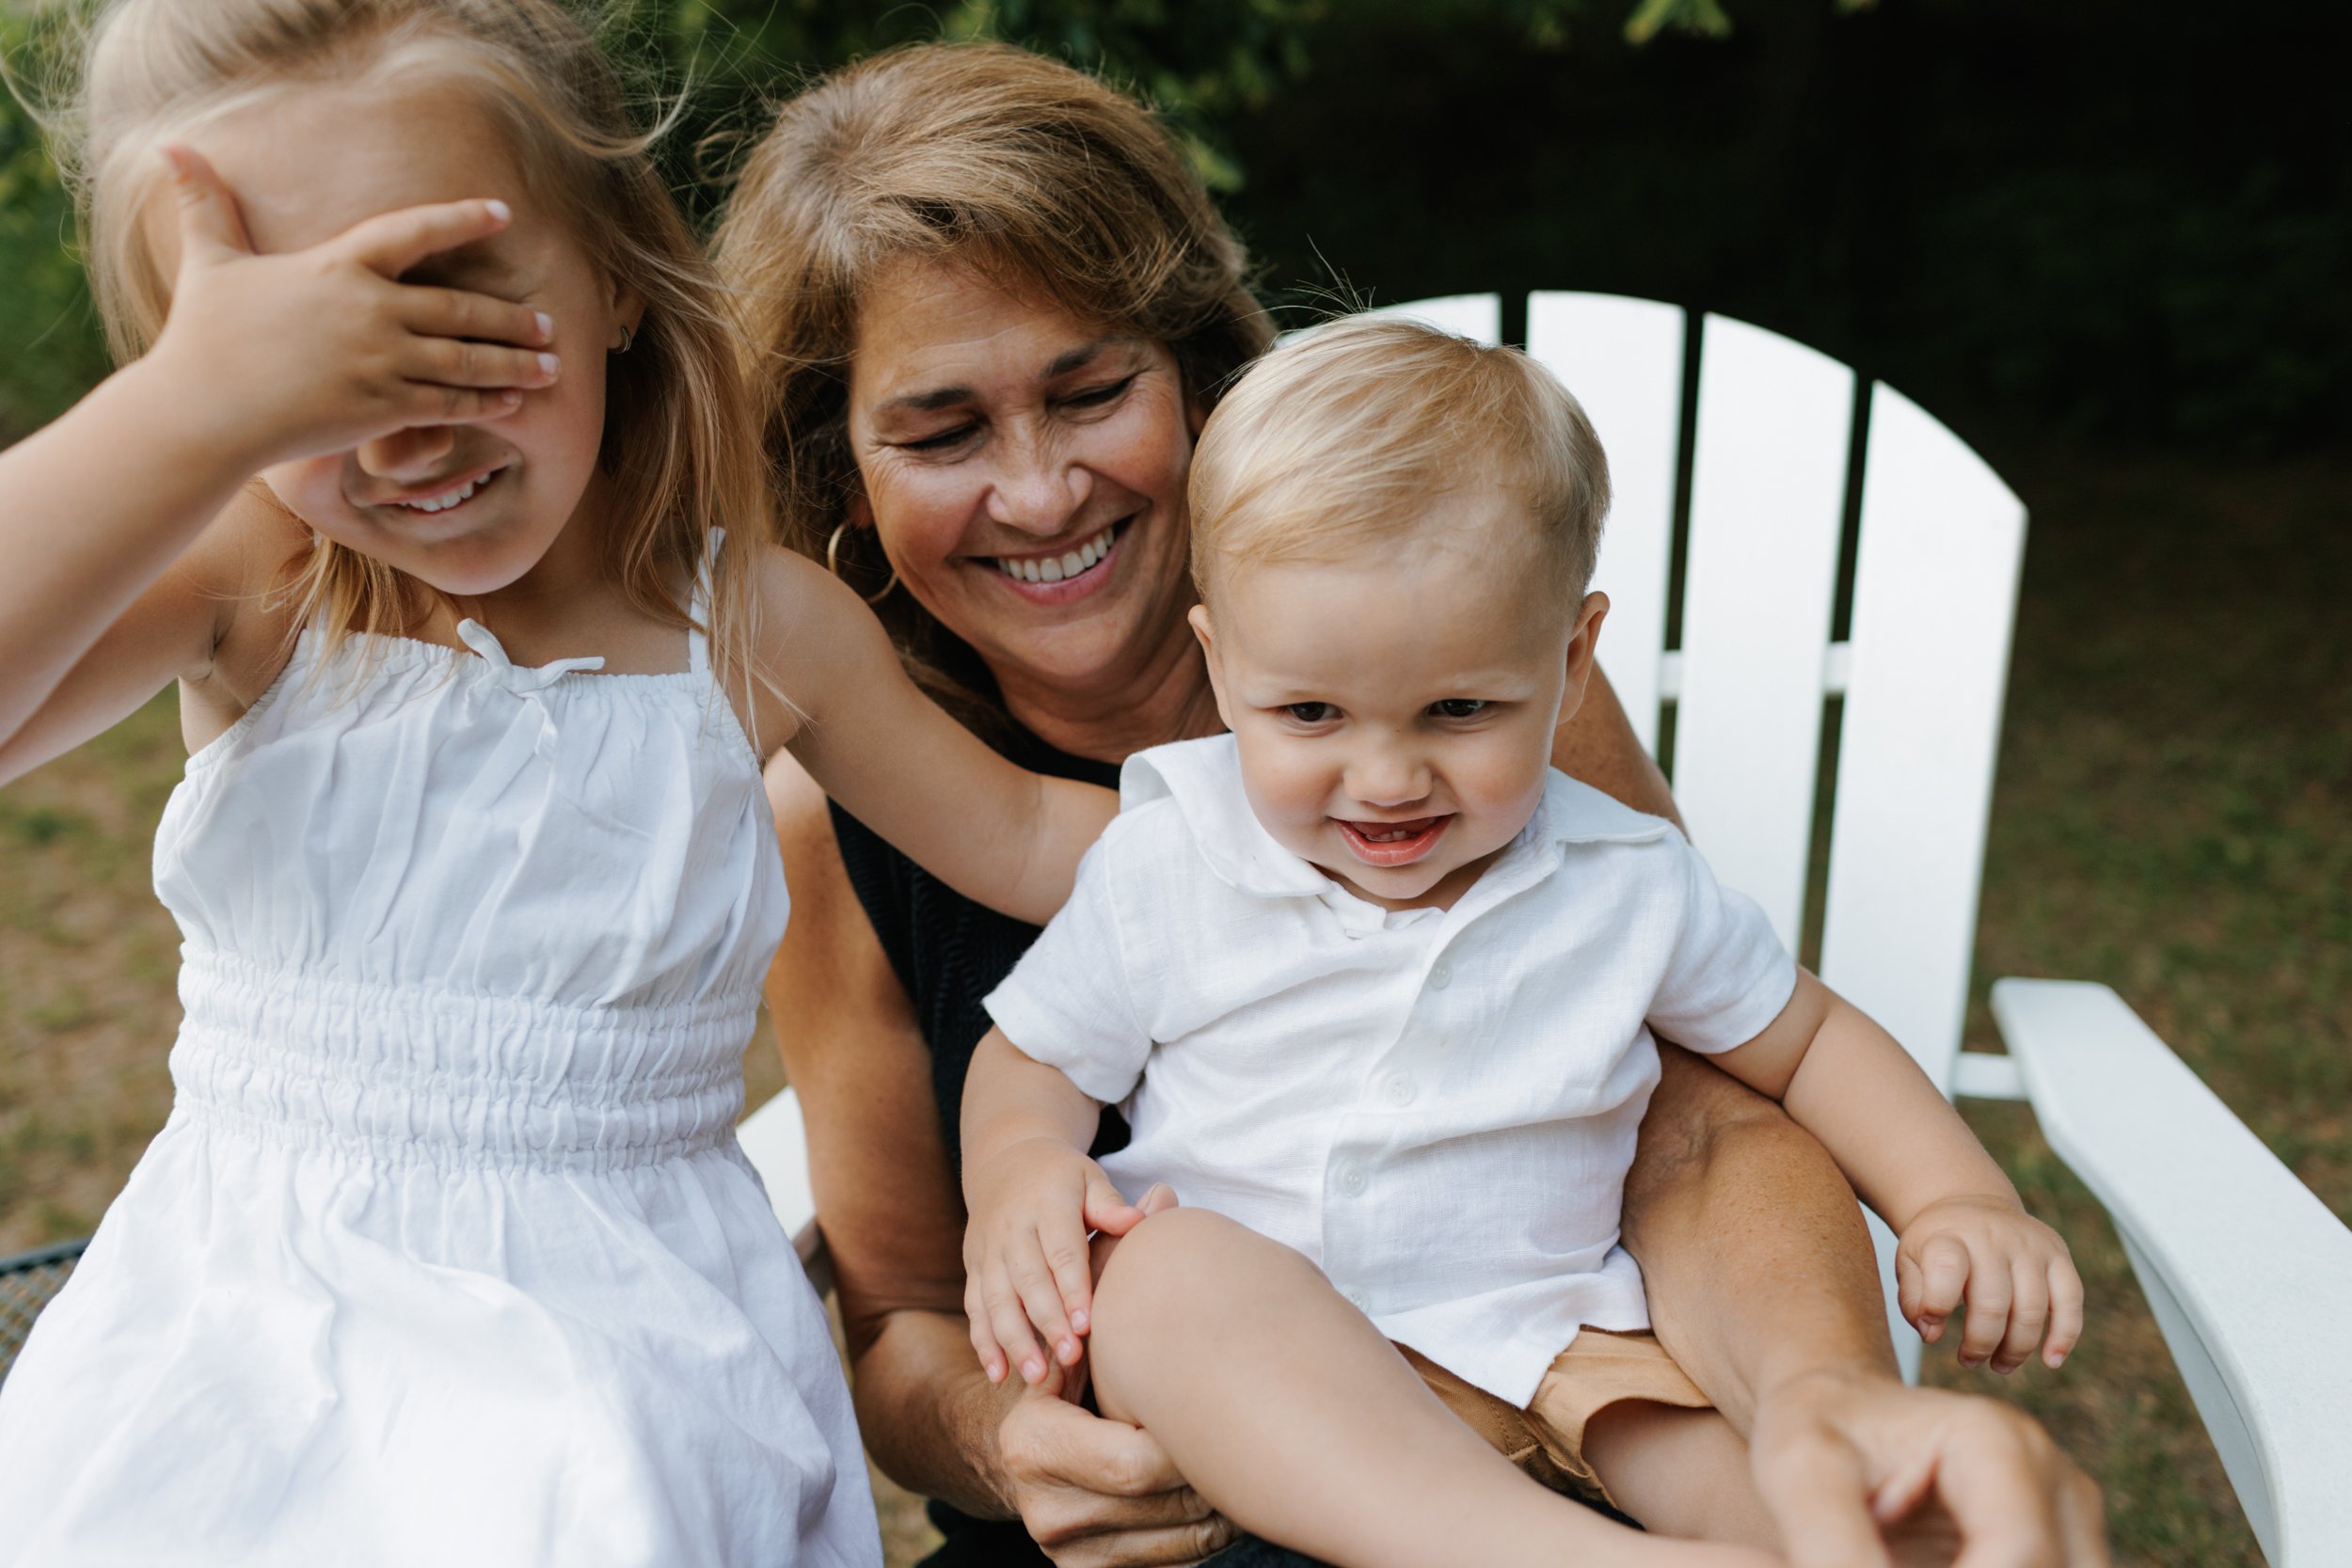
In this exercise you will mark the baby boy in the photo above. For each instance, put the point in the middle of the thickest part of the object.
(1378, 987)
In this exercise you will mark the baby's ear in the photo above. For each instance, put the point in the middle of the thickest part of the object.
(1583, 643)
(1203, 629)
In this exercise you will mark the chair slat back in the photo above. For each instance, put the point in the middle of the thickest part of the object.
(1623, 358)
(1767, 503)
(1935, 594)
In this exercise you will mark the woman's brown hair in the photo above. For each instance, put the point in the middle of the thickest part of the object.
(1050, 181)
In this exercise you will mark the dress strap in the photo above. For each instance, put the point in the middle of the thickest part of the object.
(697, 639)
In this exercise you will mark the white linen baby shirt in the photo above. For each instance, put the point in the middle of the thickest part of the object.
(1437, 1107)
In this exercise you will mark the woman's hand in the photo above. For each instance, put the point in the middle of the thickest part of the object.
(1025, 1258)
(318, 351)
(2014, 1273)
(1100, 1494)
(1860, 1471)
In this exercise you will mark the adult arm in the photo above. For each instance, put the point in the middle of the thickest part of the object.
(1762, 1284)
(1095, 1494)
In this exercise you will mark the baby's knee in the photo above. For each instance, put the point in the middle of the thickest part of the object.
(1178, 1260)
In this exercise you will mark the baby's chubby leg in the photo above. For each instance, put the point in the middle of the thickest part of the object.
(1291, 1414)
(1681, 1472)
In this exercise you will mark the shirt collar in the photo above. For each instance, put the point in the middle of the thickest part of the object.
(1204, 778)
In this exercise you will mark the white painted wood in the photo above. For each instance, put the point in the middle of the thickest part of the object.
(1623, 360)
(1986, 1076)
(2243, 1266)
(1935, 591)
(1767, 496)
(775, 1140)
(1478, 317)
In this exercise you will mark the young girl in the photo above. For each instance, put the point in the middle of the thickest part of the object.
(416, 479)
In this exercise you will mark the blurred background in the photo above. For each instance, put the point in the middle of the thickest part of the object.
(2107, 242)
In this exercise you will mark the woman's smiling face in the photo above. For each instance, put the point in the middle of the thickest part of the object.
(1025, 473)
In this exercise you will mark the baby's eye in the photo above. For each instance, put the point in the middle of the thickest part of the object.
(1312, 713)
(1458, 707)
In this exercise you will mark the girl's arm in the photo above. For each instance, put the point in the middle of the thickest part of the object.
(263, 359)
(994, 831)
(1963, 1229)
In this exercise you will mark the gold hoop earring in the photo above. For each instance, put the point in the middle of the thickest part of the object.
(833, 564)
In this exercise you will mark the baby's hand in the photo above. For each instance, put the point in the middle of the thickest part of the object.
(318, 351)
(1025, 1257)
(2012, 1270)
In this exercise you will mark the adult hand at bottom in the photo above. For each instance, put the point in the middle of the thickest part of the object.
(1100, 1493)
(1948, 1478)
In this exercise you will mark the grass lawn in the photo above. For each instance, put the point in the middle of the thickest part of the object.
(2171, 819)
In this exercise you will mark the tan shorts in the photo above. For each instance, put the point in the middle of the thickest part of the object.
(1547, 1438)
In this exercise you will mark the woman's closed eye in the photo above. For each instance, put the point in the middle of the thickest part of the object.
(942, 441)
(1100, 397)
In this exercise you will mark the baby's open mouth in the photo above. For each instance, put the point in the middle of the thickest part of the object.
(1393, 843)
(1089, 554)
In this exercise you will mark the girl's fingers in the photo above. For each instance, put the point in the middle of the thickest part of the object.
(434, 406)
(448, 362)
(391, 243)
(457, 313)
(2028, 1315)
(210, 223)
(2066, 1312)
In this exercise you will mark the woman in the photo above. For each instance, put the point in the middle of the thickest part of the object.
(991, 306)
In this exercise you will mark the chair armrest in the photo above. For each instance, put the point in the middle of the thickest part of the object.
(2242, 1265)
(777, 1141)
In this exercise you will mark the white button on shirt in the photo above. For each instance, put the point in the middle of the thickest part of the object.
(1306, 1062)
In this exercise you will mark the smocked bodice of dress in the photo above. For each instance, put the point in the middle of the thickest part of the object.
(440, 908)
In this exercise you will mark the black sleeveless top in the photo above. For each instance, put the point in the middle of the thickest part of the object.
(950, 953)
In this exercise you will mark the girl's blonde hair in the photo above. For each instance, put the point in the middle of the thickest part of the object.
(680, 451)
(1047, 181)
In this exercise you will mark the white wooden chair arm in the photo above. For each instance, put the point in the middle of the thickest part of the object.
(777, 1141)
(2241, 1263)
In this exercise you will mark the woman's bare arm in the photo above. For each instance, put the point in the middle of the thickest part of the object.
(1095, 1494)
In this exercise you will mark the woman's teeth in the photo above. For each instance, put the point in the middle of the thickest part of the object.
(442, 503)
(1054, 568)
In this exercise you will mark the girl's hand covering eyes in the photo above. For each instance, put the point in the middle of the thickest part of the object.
(318, 351)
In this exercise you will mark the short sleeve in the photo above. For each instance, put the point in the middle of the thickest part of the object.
(1070, 1001)
(1728, 976)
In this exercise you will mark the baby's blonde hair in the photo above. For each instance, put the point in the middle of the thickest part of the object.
(679, 450)
(1347, 437)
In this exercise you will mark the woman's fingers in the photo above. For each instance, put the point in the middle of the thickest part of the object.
(2066, 1312)
(449, 362)
(457, 313)
(391, 243)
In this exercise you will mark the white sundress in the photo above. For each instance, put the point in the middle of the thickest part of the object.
(447, 1254)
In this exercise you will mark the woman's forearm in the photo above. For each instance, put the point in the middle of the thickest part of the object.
(1756, 1262)
(930, 1416)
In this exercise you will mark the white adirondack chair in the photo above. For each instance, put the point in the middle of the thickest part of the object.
(2233, 1253)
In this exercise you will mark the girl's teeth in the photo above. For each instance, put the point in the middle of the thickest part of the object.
(442, 503)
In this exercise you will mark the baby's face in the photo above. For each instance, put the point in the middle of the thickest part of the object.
(1395, 709)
